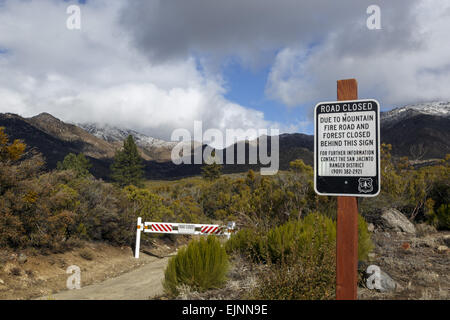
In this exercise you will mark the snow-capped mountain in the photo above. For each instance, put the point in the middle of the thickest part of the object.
(152, 148)
(116, 134)
(419, 131)
(437, 108)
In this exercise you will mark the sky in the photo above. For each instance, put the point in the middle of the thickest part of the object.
(159, 65)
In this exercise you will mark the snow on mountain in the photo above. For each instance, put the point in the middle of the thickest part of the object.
(437, 108)
(116, 134)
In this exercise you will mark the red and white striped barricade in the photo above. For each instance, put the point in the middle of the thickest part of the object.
(181, 228)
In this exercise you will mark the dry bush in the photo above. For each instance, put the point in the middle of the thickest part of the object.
(307, 276)
(87, 255)
(16, 271)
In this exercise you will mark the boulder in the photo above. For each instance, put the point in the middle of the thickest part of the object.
(396, 221)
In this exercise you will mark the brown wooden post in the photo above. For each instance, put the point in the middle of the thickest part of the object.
(347, 223)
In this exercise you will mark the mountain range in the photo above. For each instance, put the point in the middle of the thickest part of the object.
(420, 131)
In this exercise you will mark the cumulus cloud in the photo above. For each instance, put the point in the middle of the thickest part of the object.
(250, 29)
(157, 65)
(307, 44)
(97, 74)
(407, 61)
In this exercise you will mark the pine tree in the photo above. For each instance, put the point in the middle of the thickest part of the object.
(77, 163)
(212, 170)
(127, 168)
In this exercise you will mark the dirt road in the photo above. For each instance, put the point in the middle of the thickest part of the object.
(140, 284)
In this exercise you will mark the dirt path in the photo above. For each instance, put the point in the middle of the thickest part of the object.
(140, 284)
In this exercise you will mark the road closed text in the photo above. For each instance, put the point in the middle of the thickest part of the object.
(347, 107)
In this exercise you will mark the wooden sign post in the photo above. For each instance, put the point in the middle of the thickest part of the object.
(347, 165)
(347, 223)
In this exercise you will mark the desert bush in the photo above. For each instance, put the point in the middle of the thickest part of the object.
(16, 271)
(441, 219)
(10, 151)
(87, 255)
(315, 229)
(202, 265)
(307, 274)
(283, 240)
(224, 198)
(249, 244)
(301, 262)
(147, 205)
(187, 210)
(51, 211)
(365, 244)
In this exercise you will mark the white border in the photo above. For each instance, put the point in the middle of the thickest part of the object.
(379, 150)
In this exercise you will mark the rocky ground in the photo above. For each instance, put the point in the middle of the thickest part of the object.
(418, 263)
(414, 259)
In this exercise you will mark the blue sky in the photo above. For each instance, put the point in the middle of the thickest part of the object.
(248, 87)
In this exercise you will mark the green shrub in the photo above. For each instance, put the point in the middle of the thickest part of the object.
(280, 242)
(202, 265)
(249, 244)
(315, 229)
(365, 244)
(302, 261)
(283, 240)
(309, 275)
(443, 214)
(78, 163)
(441, 219)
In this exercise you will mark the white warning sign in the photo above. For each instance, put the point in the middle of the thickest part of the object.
(347, 148)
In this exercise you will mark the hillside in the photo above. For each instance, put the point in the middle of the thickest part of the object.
(51, 146)
(90, 145)
(420, 132)
(152, 148)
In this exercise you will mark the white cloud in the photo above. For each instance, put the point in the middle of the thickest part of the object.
(406, 72)
(152, 65)
(96, 74)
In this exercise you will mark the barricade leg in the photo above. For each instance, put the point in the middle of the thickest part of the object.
(138, 237)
